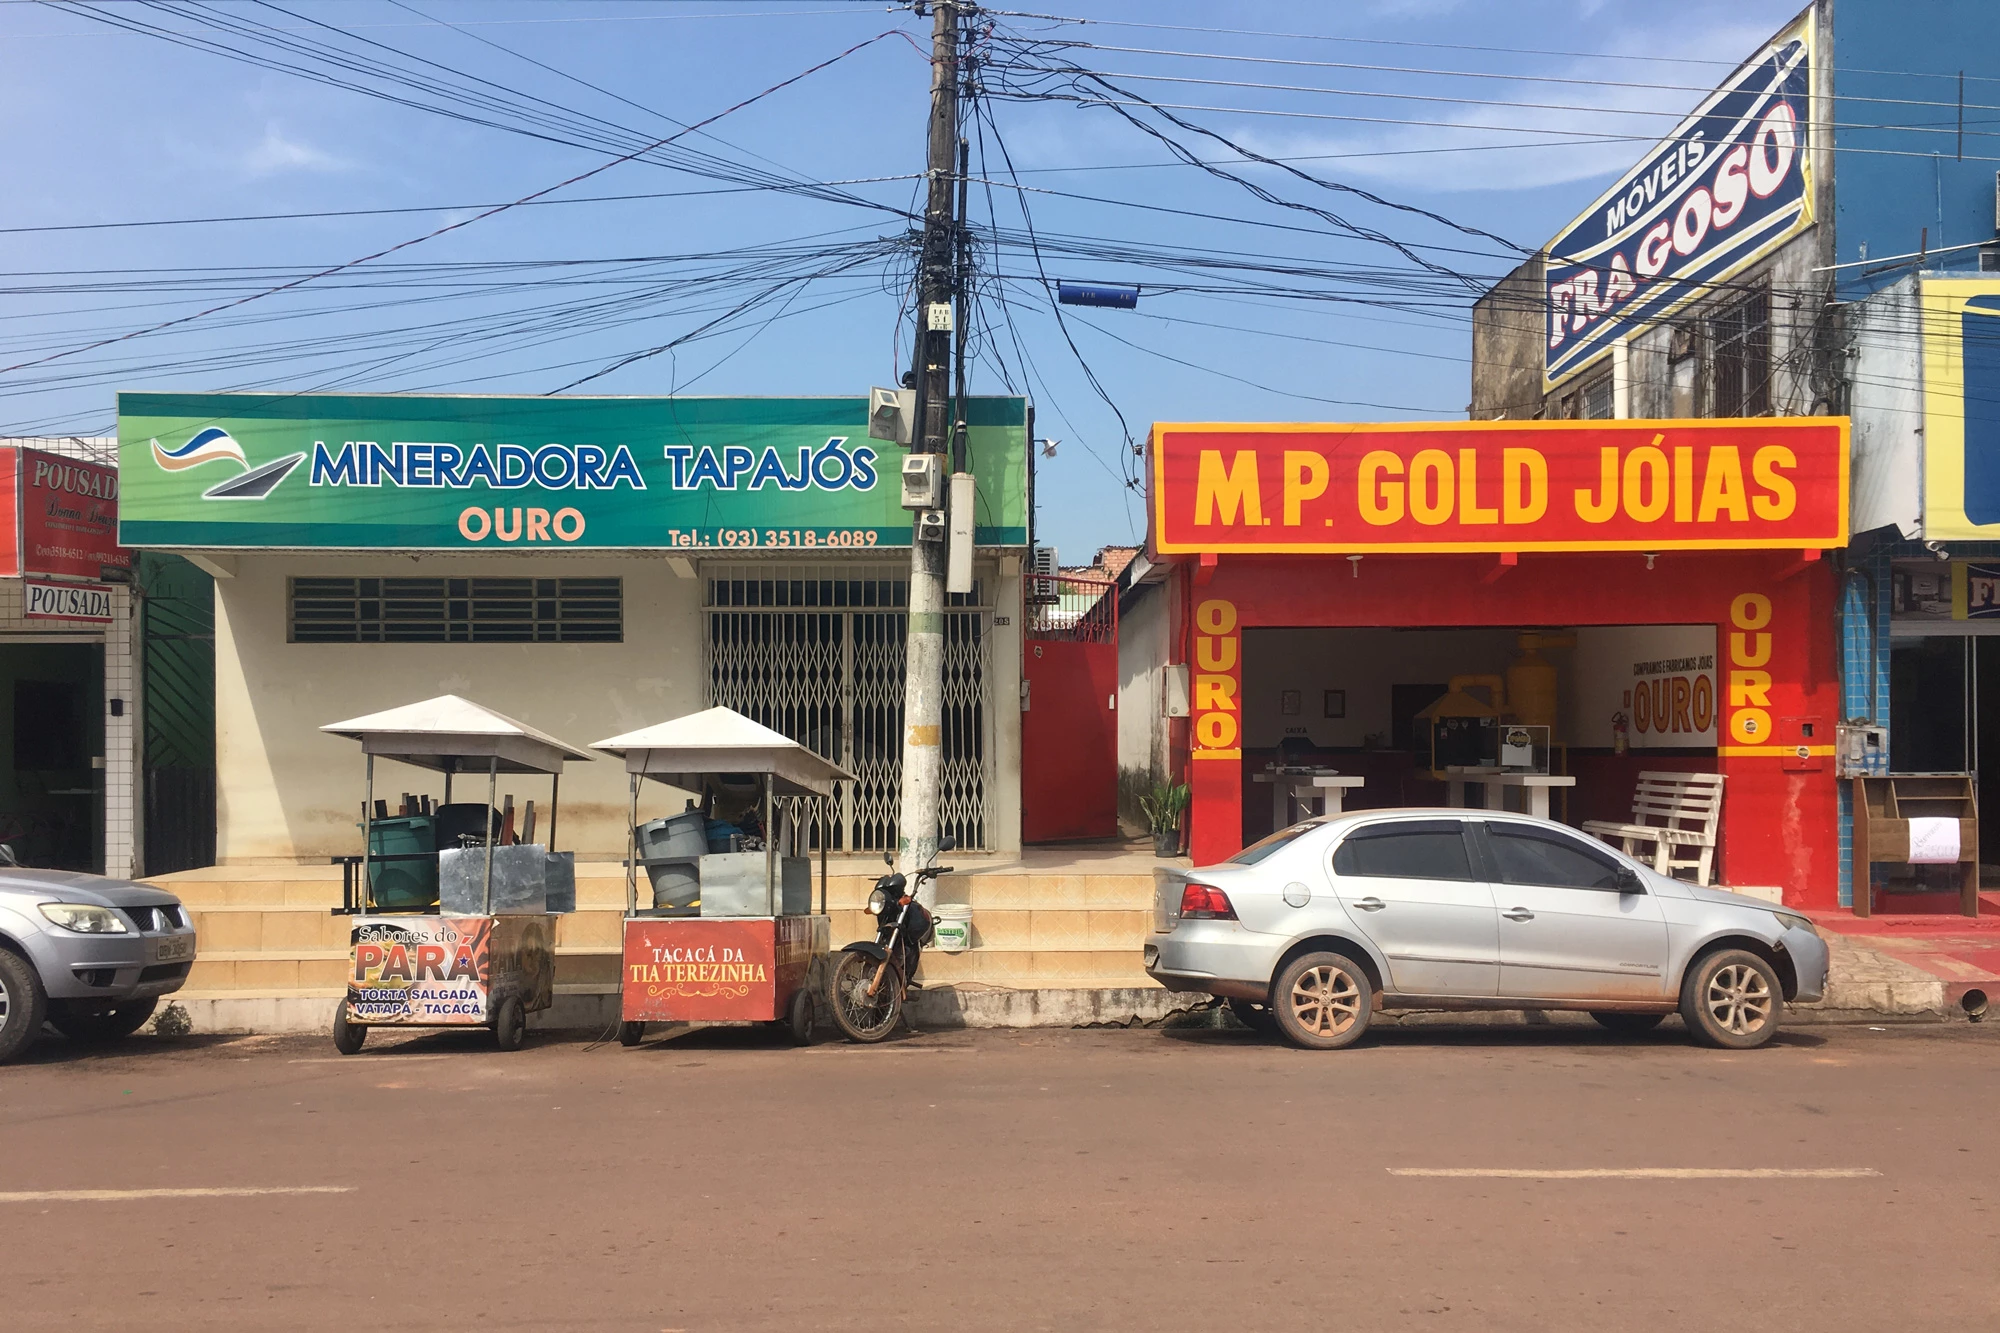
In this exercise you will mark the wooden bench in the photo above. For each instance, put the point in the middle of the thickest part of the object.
(1679, 814)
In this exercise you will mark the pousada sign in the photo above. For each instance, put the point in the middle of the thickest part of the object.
(1501, 486)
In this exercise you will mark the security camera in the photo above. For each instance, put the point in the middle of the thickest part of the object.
(1937, 549)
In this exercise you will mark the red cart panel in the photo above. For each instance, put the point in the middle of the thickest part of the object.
(694, 970)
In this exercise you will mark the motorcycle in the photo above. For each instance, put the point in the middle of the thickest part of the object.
(872, 978)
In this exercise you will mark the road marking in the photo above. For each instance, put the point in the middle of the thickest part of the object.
(1645, 1172)
(121, 1196)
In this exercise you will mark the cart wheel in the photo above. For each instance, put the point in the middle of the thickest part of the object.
(347, 1036)
(510, 1024)
(799, 1018)
(630, 1034)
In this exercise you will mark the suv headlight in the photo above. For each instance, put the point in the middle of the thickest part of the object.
(85, 919)
(1793, 921)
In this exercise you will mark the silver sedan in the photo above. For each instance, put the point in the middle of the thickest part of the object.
(1313, 930)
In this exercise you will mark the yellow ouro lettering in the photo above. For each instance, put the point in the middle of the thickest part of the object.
(1215, 731)
(1749, 726)
(1750, 650)
(1215, 652)
(1752, 610)
(1215, 616)
(1749, 689)
(1218, 692)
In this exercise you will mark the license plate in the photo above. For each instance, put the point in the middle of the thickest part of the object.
(173, 949)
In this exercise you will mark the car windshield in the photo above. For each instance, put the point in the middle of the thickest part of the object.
(1257, 851)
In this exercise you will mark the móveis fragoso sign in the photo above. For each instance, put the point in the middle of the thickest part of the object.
(1732, 181)
(413, 472)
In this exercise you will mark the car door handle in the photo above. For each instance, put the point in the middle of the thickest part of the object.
(1518, 914)
(1370, 904)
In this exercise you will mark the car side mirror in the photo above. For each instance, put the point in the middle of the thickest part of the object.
(7, 855)
(1629, 881)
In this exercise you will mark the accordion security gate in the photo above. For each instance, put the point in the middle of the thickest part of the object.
(817, 654)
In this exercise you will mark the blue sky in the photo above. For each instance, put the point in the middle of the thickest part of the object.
(1410, 100)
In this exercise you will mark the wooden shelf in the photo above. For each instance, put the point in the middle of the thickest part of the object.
(1883, 809)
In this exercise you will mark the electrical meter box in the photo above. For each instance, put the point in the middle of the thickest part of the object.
(923, 481)
(1861, 751)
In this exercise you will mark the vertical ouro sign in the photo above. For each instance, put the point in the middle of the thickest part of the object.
(1731, 182)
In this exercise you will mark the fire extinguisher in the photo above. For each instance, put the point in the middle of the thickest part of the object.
(1618, 742)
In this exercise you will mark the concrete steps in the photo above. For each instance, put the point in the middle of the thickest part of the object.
(267, 933)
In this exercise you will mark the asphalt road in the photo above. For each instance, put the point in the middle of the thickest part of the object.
(1009, 1180)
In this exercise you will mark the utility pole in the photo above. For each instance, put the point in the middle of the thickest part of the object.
(923, 655)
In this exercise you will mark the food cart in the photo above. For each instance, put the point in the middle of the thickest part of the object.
(443, 935)
(732, 935)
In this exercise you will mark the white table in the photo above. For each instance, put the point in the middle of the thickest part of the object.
(1324, 785)
(1534, 786)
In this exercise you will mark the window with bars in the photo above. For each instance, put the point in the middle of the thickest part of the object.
(817, 654)
(446, 610)
(1741, 337)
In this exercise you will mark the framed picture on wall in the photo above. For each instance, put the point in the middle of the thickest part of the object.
(1289, 702)
(1336, 703)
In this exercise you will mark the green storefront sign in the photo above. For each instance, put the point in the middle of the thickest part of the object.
(374, 471)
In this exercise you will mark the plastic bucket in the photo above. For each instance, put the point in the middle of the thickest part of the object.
(675, 886)
(403, 885)
(953, 922)
(676, 835)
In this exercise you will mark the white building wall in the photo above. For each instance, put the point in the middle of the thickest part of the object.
(1143, 643)
(285, 791)
(1886, 402)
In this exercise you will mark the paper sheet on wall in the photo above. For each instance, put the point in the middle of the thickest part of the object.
(1933, 841)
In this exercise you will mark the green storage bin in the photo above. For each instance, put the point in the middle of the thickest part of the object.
(403, 886)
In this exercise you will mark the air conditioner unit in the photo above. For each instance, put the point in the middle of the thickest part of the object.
(1043, 561)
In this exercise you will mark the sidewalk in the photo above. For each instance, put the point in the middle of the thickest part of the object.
(1945, 966)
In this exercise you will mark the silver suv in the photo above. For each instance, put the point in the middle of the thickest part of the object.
(1314, 929)
(91, 956)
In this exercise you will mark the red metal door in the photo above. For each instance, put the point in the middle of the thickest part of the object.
(1069, 719)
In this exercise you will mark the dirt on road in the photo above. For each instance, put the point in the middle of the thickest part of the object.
(1844, 1178)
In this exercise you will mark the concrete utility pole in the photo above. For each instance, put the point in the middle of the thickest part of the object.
(923, 655)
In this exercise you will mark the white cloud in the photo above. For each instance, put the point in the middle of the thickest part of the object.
(278, 152)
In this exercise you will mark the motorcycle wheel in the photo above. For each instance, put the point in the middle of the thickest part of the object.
(863, 1017)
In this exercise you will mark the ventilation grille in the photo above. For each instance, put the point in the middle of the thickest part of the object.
(456, 611)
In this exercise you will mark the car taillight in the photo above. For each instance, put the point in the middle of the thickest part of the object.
(1202, 903)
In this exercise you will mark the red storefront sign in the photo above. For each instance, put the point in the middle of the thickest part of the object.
(695, 970)
(59, 517)
(1771, 483)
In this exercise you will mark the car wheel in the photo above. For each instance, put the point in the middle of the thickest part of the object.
(23, 1005)
(1256, 1017)
(111, 1024)
(1323, 1001)
(347, 1035)
(510, 1024)
(1630, 1025)
(1732, 999)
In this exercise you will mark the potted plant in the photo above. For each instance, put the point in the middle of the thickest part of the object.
(1164, 806)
